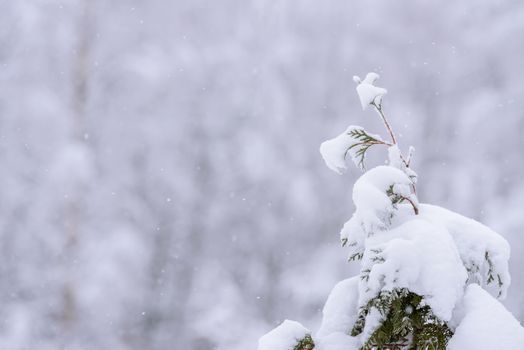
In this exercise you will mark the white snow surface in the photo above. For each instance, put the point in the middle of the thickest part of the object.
(434, 254)
(473, 241)
(367, 92)
(337, 341)
(374, 208)
(284, 337)
(395, 160)
(341, 308)
(335, 150)
(485, 324)
(419, 256)
(338, 317)
(395, 157)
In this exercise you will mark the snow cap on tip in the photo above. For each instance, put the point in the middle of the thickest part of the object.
(284, 337)
(367, 92)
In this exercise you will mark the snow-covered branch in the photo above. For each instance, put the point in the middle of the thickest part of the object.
(426, 272)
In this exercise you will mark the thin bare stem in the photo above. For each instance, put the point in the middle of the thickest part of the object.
(378, 108)
(415, 208)
(375, 143)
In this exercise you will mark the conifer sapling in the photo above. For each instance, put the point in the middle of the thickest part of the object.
(425, 271)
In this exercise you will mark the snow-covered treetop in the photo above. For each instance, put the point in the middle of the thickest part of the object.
(424, 270)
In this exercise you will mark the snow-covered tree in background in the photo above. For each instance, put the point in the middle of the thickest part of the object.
(429, 277)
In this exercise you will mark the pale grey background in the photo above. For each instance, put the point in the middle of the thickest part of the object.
(161, 181)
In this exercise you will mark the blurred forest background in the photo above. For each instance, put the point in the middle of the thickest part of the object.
(161, 181)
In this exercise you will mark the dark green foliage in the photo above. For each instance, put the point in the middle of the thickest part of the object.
(363, 141)
(394, 197)
(475, 271)
(397, 198)
(305, 344)
(356, 256)
(491, 276)
(408, 324)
